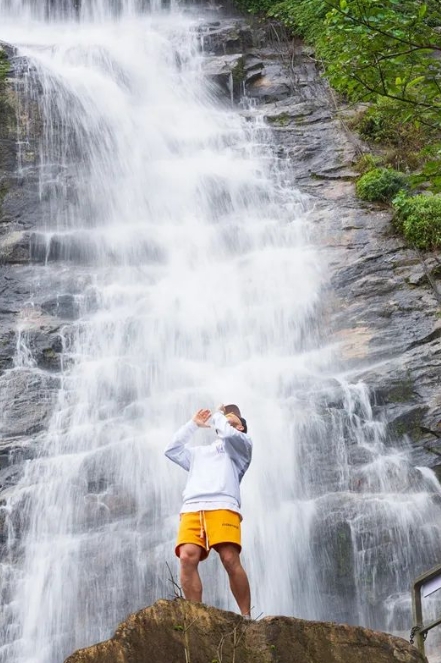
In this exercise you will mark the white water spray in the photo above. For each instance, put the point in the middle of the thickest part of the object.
(186, 246)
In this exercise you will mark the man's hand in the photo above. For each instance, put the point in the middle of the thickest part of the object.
(201, 417)
(221, 408)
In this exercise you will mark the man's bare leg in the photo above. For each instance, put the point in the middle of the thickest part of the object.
(230, 557)
(190, 556)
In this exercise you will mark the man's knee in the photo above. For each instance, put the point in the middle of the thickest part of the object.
(189, 555)
(230, 557)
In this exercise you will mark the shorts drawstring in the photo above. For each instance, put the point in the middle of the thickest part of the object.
(203, 529)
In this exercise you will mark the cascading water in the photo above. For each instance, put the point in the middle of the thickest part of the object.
(186, 247)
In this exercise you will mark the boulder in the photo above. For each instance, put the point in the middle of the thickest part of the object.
(178, 631)
(222, 37)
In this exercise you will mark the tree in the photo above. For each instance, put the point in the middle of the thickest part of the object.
(388, 49)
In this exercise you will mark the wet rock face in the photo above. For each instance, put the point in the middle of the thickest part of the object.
(239, 63)
(390, 328)
(19, 199)
(26, 401)
(28, 386)
(179, 630)
(227, 36)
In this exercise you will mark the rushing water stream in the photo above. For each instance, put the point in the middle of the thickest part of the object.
(187, 247)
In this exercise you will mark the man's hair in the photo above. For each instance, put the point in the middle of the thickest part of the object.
(233, 409)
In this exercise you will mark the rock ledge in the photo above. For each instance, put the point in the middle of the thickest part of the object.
(178, 631)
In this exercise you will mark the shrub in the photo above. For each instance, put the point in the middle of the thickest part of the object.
(254, 6)
(419, 219)
(304, 17)
(380, 184)
(378, 124)
(386, 122)
(430, 168)
(367, 162)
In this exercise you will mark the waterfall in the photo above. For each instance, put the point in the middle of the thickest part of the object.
(187, 248)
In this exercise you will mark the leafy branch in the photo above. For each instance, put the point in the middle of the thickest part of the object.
(343, 9)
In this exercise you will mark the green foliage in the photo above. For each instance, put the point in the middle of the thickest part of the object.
(430, 170)
(408, 146)
(4, 107)
(367, 162)
(255, 6)
(433, 13)
(385, 48)
(303, 17)
(4, 64)
(380, 184)
(387, 122)
(419, 219)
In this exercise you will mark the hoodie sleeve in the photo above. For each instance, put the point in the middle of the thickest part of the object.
(177, 450)
(237, 444)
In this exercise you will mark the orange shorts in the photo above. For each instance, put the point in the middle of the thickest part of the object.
(209, 528)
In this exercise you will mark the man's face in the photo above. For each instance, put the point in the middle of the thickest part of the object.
(234, 421)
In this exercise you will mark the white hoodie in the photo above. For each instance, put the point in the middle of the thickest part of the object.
(215, 470)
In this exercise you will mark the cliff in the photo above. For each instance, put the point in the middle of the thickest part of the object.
(378, 307)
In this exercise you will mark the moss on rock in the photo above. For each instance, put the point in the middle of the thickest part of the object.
(4, 64)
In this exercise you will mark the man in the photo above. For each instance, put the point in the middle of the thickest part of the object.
(210, 515)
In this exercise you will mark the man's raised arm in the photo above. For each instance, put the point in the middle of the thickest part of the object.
(237, 444)
(177, 450)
